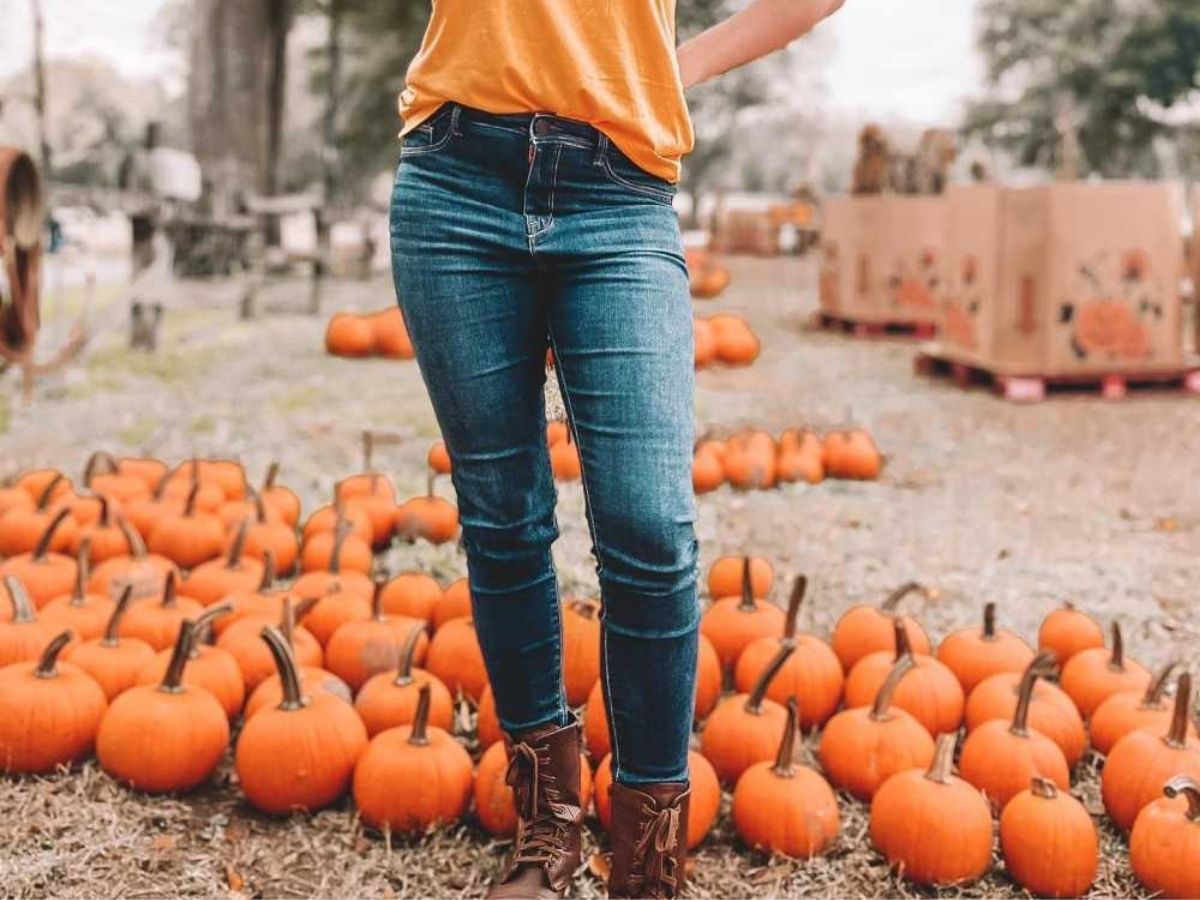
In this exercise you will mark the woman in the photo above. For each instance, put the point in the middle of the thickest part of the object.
(542, 141)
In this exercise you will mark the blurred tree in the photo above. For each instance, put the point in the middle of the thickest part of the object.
(1102, 65)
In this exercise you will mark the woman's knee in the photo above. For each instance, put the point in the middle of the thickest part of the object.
(648, 579)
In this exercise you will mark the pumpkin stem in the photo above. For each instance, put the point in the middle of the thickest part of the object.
(941, 769)
(105, 510)
(100, 456)
(785, 766)
(418, 737)
(83, 571)
(989, 621)
(111, 637)
(341, 528)
(883, 699)
(381, 580)
(260, 508)
(799, 589)
(161, 487)
(1184, 784)
(233, 559)
(893, 599)
(189, 507)
(754, 702)
(137, 547)
(180, 653)
(1116, 662)
(1177, 735)
(47, 666)
(1020, 721)
(747, 603)
(47, 493)
(168, 597)
(205, 619)
(272, 474)
(268, 576)
(43, 544)
(22, 606)
(903, 646)
(287, 620)
(285, 662)
(1153, 697)
(429, 483)
(1044, 788)
(408, 651)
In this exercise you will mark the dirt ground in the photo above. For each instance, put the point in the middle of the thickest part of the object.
(983, 500)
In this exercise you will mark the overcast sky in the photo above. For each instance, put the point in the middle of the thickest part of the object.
(890, 59)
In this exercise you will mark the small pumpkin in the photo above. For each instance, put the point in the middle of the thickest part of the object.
(105, 536)
(265, 599)
(487, 722)
(704, 342)
(784, 808)
(750, 461)
(1000, 759)
(455, 658)
(580, 648)
(974, 654)
(111, 660)
(742, 729)
(1164, 847)
(737, 344)
(495, 800)
(1127, 711)
(455, 603)
(1049, 841)
(733, 623)
(336, 551)
(800, 457)
(82, 611)
(413, 777)
(45, 573)
(280, 498)
(243, 640)
(147, 470)
(209, 668)
(703, 806)
(349, 335)
(389, 699)
(1051, 711)
(851, 453)
(708, 678)
(361, 648)
(933, 828)
(1142, 761)
(235, 572)
(1067, 631)
(326, 518)
(301, 754)
(595, 724)
(1092, 676)
(726, 574)
(269, 692)
(412, 594)
(868, 629)
(374, 495)
(565, 461)
(22, 529)
(268, 532)
(25, 636)
(165, 737)
(438, 459)
(708, 473)
(333, 610)
(929, 692)
(812, 675)
(49, 484)
(49, 712)
(556, 432)
(188, 537)
(121, 486)
(14, 498)
(391, 336)
(146, 572)
(334, 578)
(430, 517)
(861, 748)
(158, 623)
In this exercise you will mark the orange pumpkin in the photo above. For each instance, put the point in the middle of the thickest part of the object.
(301, 754)
(45, 573)
(146, 572)
(1092, 676)
(851, 454)
(487, 723)
(269, 693)
(929, 692)
(282, 500)
(189, 537)
(933, 828)
(708, 678)
(870, 629)
(164, 737)
(495, 801)
(333, 610)
(1049, 841)
(812, 675)
(209, 668)
(22, 528)
(49, 712)
(974, 654)
(375, 495)
(737, 344)
(349, 335)
(1143, 760)
(862, 748)
(438, 459)
(158, 623)
(235, 572)
(708, 473)
(413, 777)
(455, 603)
(704, 343)
(565, 462)
(800, 457)
(733, 623)
(389, 699)
(391, 339)
(595, 724)
(726, 574)
(1000, 759)
(750, 461)
(412, 594)
(82, 611)
(268, 532)
(244, 641)
(784, 808)
(113, 662)
(25, 636)
(1127, 711)
(104, 535)
(741, 730)
(580, 648)
(1164, 847)
(326, 518)
(455, 658)
(430, 517)
(336, 551)
(1067, 631)
(361, 648)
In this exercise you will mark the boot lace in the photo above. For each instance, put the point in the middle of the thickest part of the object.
(543, 818)
(654, 862)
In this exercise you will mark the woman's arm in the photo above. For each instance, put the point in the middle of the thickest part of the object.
(761, 28)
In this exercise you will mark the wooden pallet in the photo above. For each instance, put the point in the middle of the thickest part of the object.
(1026, 388)
(823, 321)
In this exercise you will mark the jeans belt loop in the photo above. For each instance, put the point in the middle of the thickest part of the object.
(455, 113)
(601, 149)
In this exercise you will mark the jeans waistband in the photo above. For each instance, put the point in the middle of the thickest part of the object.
(538, 127)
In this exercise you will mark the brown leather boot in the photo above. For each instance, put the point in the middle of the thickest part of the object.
(649, 840)
(543, 771)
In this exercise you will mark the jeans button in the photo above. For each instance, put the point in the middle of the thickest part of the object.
(542, 127)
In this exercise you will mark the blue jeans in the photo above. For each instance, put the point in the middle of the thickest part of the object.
(511, 234)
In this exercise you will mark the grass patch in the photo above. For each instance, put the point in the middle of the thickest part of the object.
(138, 433)
(204, 424)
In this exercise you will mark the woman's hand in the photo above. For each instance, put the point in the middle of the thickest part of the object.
(761, 28)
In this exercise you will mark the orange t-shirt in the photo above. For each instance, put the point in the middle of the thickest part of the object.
(610, 63)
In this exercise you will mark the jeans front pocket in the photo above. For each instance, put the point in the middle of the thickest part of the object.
(431, 135)
(622, 171)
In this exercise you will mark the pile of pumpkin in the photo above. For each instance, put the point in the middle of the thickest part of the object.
(754, 460)
(726, 339)
(358, 336)
(707, 278)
